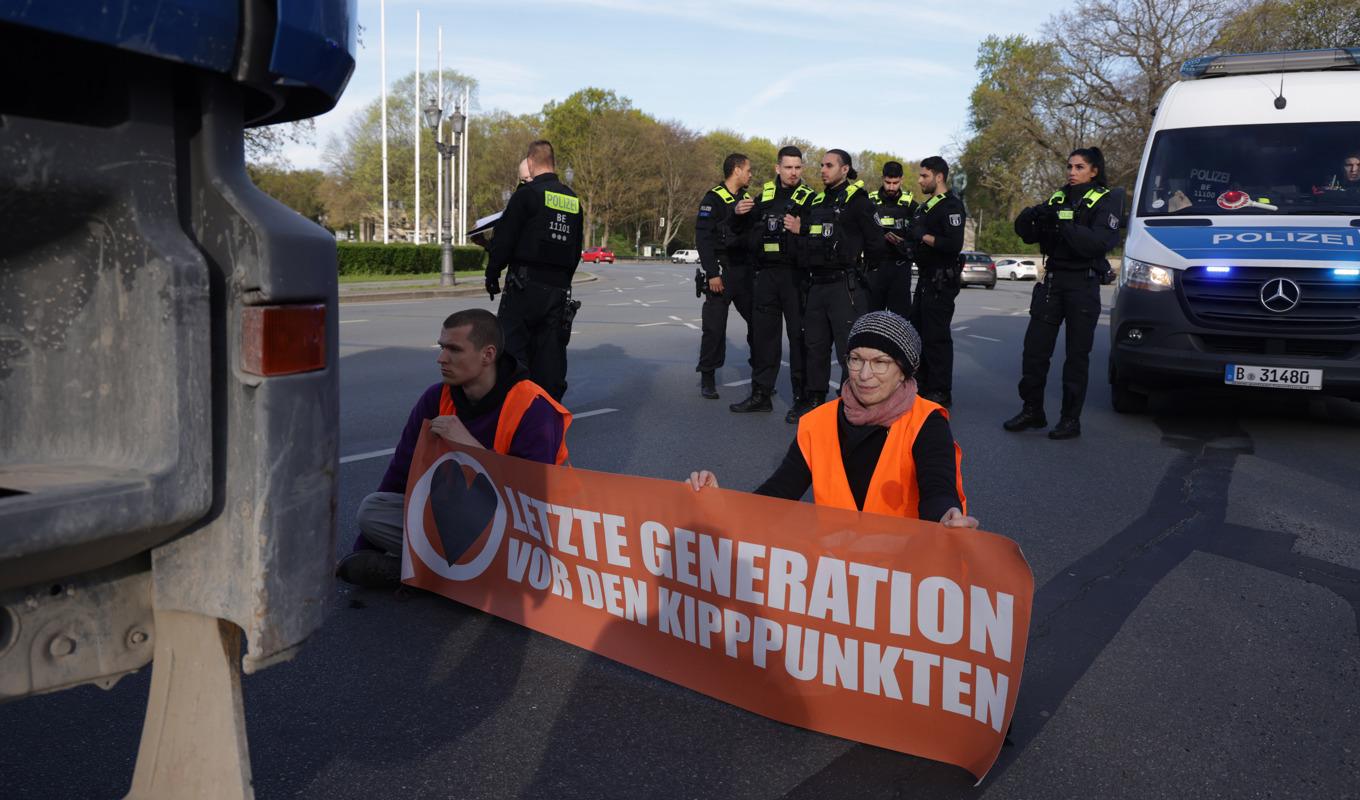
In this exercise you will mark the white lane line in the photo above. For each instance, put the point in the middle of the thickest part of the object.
(348, 321)
(835, 385)
(992, 308)
(961, 328)
(363, 456)
(677, 319)
(986, 338)
(639, 277)
(597, 412)
(619, 304)
(692, 326)
(651, 324)
(654, 286)
(738, 383)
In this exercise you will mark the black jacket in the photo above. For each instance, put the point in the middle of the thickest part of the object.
(719, 232)
(1078, 239)
(541, 230)
(894, 214)
(942, 218)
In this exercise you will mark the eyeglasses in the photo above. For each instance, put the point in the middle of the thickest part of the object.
(878, 366)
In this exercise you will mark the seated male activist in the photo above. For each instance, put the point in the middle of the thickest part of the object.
(485, 400)
(841, 447)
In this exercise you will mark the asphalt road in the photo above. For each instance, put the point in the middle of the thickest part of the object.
(1195, 623)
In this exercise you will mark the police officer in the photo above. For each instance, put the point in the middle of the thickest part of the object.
(778, 283)
(725, 270)
(936, 235)
(1075, 229)
(889, 280)
(837, 238)
(538, 238)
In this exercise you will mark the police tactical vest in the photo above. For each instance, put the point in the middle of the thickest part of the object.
(723, 231)
(551, 236)
(773, 239)
(1082, 212)
(825, 233)
(894, 215)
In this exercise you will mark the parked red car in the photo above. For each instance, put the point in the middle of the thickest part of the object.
(598, 255)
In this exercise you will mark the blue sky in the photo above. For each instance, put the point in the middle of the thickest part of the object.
(857, 74)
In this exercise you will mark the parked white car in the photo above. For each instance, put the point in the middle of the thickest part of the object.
(1018, 269)
(685, 257)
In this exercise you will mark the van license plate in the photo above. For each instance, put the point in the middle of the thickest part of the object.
(1273, 377)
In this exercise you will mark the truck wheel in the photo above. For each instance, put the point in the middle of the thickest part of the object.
(1124, 399)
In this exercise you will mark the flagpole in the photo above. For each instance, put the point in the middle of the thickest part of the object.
(416, 129)
(382, 58)
(439, 162)
(462, 166)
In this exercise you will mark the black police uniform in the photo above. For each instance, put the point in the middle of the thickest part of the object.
(538, 238)
(932, 308)
(889, 281)
(1075, 229)
(778, 292)
(839, 237)
(723, 253)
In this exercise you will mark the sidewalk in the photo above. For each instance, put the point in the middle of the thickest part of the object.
(425, 288)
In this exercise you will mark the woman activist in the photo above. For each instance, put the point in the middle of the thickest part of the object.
(879, 448)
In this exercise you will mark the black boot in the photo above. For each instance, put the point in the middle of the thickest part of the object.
(707, 387)
(1029, 417)
(805, 403)
(758, 401)
(1067, 428)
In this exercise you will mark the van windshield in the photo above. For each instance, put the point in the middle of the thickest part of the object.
(1311, 168)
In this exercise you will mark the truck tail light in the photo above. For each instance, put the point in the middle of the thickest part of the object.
(283, 340)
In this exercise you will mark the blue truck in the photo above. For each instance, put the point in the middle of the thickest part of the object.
(168, 362)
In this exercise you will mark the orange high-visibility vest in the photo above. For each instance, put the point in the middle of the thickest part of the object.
(517, 402)
(892, 489)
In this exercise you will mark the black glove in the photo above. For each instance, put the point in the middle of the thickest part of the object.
(493, 286)
(916, 234)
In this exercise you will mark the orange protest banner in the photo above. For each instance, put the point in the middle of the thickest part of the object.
(897, 633)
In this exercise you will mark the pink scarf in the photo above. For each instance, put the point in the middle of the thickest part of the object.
(884, 413)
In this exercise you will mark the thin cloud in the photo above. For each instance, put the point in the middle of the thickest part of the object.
(848, 68)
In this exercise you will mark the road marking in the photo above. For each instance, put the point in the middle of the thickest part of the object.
(691, 325)
(654, 286)
(961, 328)
(987, 338)
(639, 277)
(597, 412)
(738, 383)
(651, 324)
(677, 319)
(992, 308)
(835, 385)
(348, 321)
(363, 456)
(612, 305)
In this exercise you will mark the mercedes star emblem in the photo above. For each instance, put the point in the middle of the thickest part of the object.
(1279, 295)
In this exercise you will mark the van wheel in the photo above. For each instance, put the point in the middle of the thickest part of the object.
(1123, 398)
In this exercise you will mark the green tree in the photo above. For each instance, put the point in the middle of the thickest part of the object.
(1291, 25)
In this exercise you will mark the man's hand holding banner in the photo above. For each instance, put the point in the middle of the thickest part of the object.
(897, 633)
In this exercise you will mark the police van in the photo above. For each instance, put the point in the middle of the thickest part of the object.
(1242, 264)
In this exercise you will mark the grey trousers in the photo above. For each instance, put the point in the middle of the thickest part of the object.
(380, 520)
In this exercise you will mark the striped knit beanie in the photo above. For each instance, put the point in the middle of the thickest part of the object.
(886, 331)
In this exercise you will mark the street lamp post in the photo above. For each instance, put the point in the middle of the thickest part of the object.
(447, 151)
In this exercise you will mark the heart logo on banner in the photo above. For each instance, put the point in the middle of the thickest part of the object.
(461, 511)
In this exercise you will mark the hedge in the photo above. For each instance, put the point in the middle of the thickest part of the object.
(403, 259)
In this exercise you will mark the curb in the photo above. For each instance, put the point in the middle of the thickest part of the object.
(433, 292)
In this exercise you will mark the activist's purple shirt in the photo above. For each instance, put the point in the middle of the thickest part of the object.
(537, 439)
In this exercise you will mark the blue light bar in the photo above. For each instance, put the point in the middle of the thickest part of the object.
(1276, 61)
(1221, 270)
(1346, 273)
